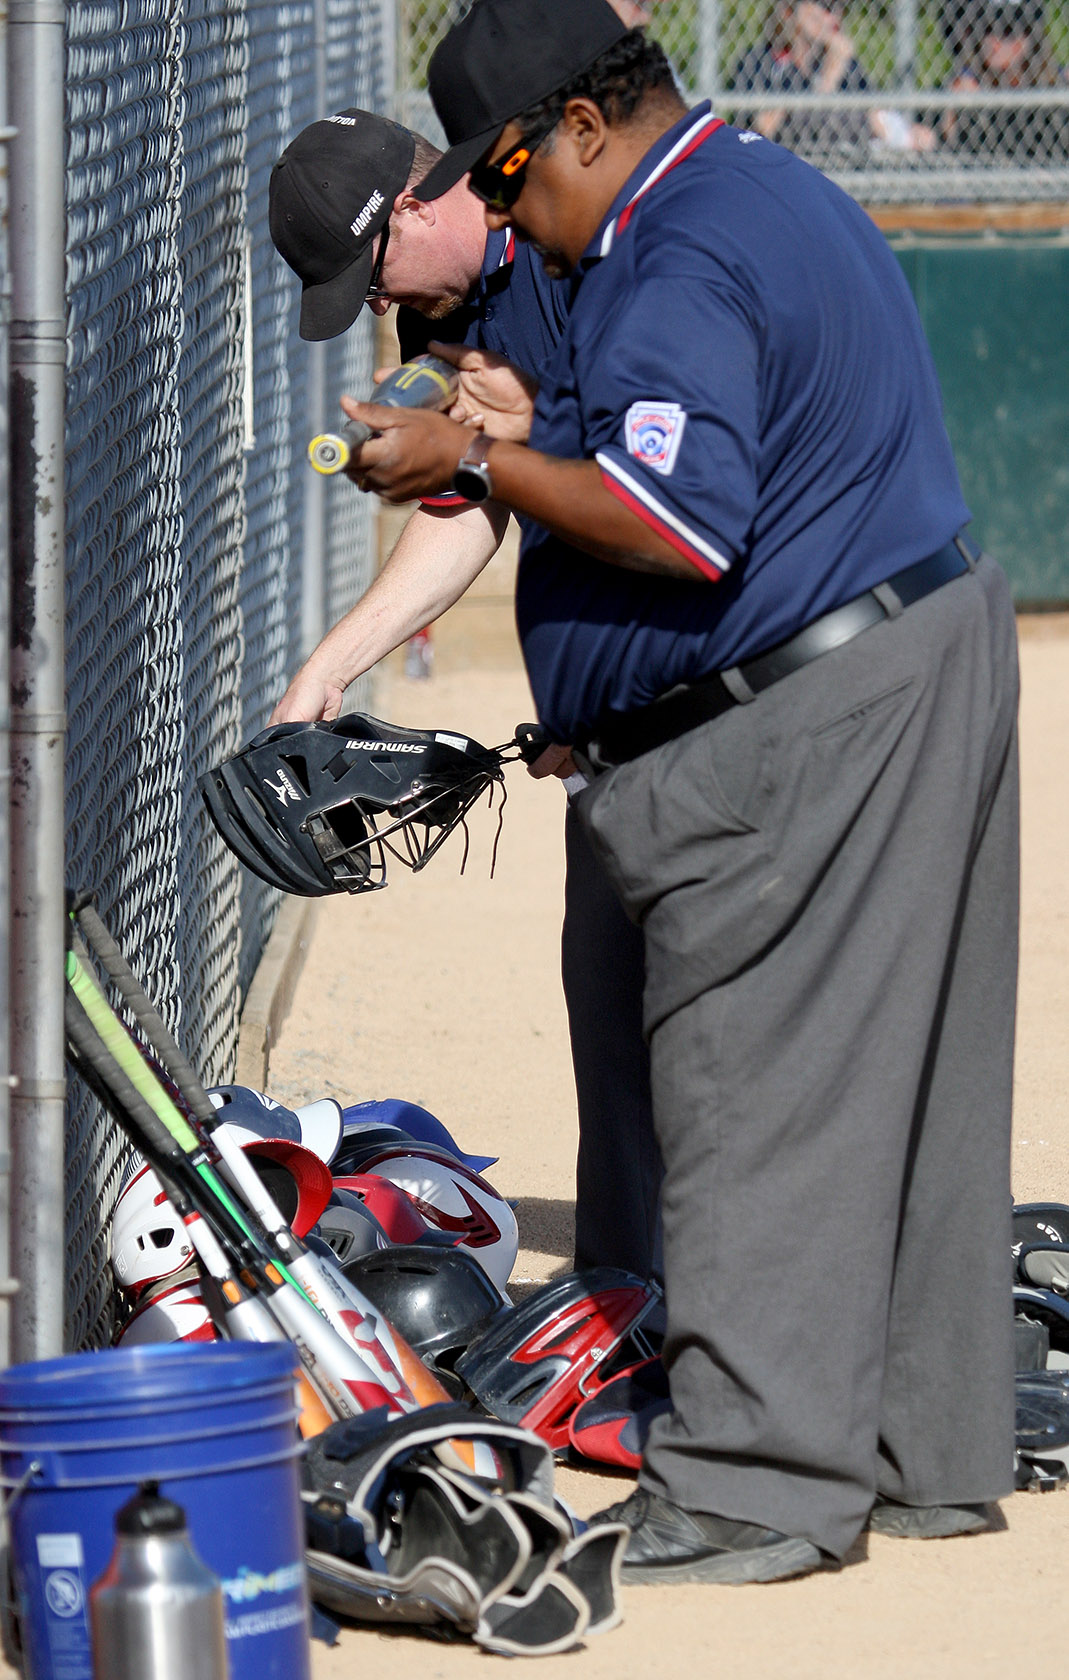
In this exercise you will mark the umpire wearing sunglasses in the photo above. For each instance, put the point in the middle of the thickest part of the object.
(745, 595)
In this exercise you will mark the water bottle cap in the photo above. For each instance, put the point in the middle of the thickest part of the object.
(148, 1513)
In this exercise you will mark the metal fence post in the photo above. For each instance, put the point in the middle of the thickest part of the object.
(314, 546)
(37, 355)
(5, 724)
(389, 29)
(905, 42)
(709, 49)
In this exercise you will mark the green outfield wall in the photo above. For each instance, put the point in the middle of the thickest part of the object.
(992, 287)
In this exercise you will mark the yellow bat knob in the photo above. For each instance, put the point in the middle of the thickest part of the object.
(328, 452)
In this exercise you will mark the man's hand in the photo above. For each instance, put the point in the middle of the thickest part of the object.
(309, 699)
(555, 761)
(495, 395)
(416, 455)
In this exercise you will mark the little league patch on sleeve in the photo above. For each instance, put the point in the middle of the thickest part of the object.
(653, 432)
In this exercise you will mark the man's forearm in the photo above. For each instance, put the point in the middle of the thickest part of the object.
(437, 557)
(435, 560)
(415, 453)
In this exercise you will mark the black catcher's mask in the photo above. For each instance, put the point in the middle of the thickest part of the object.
(313, 808)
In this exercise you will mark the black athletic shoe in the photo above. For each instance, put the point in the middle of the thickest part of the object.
(932, 1522)
(670, 1544)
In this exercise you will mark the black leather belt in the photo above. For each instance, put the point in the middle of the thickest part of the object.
(625, 735)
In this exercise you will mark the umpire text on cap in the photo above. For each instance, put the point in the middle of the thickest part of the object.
(502, 57)
(331, 194)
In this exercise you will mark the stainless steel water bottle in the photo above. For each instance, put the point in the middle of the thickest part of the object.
(156, 1613)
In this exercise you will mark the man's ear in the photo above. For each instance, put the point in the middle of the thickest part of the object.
(584, 123)
(406, 205)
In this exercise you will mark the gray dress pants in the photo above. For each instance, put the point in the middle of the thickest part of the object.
(827, 881)
(618, 1168)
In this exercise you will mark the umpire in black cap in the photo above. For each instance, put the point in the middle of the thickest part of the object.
(330, 206)
(746, 597)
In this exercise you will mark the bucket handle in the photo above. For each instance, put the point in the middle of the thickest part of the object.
(32, 1469)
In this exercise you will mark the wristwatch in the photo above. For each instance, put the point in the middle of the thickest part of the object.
(472, 478)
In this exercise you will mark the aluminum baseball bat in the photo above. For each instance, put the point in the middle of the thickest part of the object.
(341, 1375)
(354, 1317)
(373, 1364)
(424, 382)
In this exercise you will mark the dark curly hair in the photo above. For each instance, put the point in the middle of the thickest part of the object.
(617, 82)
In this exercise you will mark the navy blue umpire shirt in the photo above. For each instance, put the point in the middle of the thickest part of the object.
(744, 360)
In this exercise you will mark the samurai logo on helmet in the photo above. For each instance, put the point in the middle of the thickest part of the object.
(346, 793)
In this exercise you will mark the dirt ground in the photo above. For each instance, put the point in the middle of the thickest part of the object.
(444, 989)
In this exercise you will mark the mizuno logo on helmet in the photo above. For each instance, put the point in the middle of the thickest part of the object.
(283, 789)
(386, 746)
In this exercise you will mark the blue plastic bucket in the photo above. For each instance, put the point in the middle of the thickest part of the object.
(216, 1425)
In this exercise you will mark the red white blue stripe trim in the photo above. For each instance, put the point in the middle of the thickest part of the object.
(450, 498)
(636, 496)
(684, 146)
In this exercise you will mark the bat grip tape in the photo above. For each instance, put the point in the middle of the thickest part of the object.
(147, 1016)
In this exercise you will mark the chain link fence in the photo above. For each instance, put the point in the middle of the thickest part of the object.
(191, 527)
(202, 558)
(898, 100)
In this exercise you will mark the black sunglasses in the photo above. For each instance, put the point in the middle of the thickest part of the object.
(499, 184)
(375, 290)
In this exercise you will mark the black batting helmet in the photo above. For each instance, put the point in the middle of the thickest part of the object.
(440, 1299)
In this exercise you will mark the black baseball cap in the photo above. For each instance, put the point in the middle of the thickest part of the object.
(331, 194)
(500, 58)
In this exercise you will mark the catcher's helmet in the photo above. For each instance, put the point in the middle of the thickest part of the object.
(313, 808)
(536, 1363)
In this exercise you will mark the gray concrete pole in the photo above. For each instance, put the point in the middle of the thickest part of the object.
(37, 355)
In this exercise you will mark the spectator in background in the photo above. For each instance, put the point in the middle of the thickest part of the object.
(807, 50)
(1003, 45)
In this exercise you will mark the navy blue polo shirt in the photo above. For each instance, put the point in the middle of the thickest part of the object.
(744, 360)
(514, 309)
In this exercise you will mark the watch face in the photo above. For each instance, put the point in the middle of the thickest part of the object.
(472, 481)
